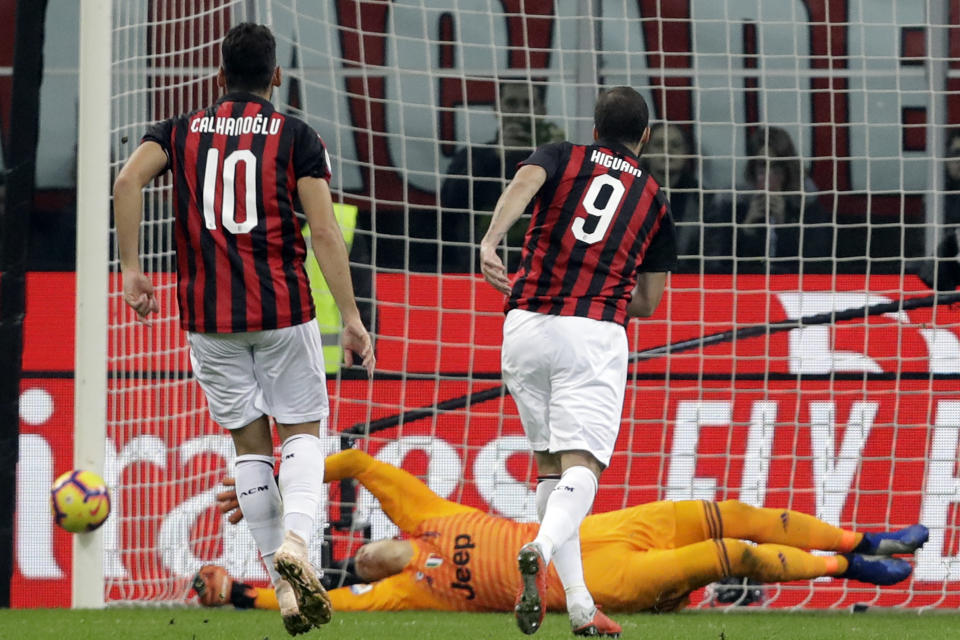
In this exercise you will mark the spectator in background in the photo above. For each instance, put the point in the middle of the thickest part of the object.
(477, 175)
(779, 226)
(668, 157)
(951, 182)
(943, 272)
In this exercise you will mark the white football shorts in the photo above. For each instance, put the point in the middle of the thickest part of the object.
(567, 375)
(278, 372)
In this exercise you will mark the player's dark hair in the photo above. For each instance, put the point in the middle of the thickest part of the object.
(249, 57)
(621, 114)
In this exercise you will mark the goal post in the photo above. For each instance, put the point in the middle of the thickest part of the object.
(93, 258)
(827, 385)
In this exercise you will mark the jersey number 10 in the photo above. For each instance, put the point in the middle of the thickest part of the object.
(228, 205)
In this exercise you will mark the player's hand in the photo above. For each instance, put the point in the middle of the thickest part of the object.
(213, 585)
(777, 209)
(756, 212)
(516, 133)
(357, 346)
(493, 270)
(548, 132)
(139, 295)
(227, 502)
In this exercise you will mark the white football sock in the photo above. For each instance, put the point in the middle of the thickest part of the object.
(260, 502)
(569, 503)
(545, 487)
(301, 483)
(569, 564)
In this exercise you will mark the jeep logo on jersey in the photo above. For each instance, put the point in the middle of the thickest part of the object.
(250, 492)
(461, 558)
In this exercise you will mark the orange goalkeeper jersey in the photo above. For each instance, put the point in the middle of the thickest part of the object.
(465, 559)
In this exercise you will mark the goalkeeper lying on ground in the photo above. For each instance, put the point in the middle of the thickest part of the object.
(648, 557)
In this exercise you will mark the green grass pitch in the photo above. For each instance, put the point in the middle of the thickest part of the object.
(224, 624)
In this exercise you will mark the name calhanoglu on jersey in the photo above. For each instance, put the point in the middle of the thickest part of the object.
(617, 164)
(237, 126)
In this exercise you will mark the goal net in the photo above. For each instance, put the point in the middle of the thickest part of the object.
(797, 361)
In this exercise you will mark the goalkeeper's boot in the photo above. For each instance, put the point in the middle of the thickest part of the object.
(293, 620)
(888, 543)
(740, 592)
(598, 624)
(882, 570)
(532, 597)
(293, 564)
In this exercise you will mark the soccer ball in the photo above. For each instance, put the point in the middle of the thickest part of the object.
(79, 501)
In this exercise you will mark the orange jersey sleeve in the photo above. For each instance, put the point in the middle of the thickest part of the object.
(265, 598)
(403, 497)
(396, 593)
(401, 592)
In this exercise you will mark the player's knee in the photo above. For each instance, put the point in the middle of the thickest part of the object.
(586, 459)
(737, 557)
(734, 511)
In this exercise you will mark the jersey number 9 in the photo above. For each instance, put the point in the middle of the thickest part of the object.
(609, 201)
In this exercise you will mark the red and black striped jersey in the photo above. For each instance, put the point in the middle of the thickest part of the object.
(597, 221)
(240, 252)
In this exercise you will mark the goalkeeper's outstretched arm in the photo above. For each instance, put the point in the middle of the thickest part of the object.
(403, 497)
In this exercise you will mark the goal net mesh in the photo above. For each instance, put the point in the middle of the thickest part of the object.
(796, 362)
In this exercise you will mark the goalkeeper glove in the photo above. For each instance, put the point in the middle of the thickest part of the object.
(215, 588)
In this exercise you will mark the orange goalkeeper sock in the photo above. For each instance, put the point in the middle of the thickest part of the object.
(781, 526)
(779, 563)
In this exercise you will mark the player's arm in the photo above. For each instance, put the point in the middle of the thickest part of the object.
(146, 163)
(215, 588)
(511, 205)
(331, 253)
(396, 593)
(400, 592)
(659, 258)
(403, 497)
(647, 294)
